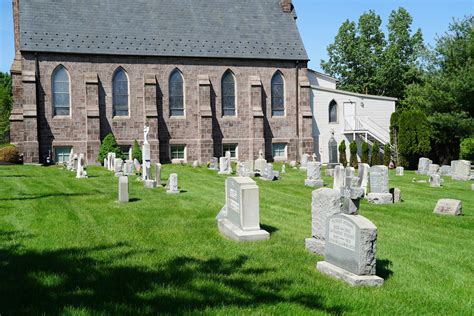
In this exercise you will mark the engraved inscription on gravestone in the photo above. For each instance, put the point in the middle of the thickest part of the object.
(378, 180)
(233, 203)
(342, 233)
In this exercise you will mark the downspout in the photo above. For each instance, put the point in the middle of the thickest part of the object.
(37, 84)
(297, 110)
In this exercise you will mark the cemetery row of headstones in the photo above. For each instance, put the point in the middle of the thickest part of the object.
(77, 164)
(458, 170)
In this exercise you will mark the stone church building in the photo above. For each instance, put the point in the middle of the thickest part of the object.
(206, 76)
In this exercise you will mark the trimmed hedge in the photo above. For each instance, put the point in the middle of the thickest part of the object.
(9, 153)
(387, 155)
(353, 159)
(342, 154)
(365, 153)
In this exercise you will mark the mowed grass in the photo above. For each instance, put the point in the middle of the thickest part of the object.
(67, 247)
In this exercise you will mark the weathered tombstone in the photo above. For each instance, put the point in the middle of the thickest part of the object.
(326, 202)
(304, 161)
(363, 173)
(149, 184)
(111, 158)
(350, 171)
(268, 173)
(128, 168)
(195, 164)
(246, 169)
(158, 174)
(123, 189)
(105, 163)
(448, 207)
(172, 184)
(445, 170)
(260, 162)
(239, 219)
(146, 154)
(214, 164)
(461, 170)
(130, 154)
(75, 162)
(329, 171)
(338, 177)
(436, 181)
(313, 175)
(351, 195)
(379, 190)
(293, 164)
(81, 172)
(283, 169)
(118, 167)
(432, 169)
(224, 166)
(399, 172)
(397, 195)
(423, 165)
(350, 250)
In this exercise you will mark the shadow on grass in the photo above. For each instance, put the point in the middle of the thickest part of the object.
(268, 228)
(383, 268)
(14, 176)
(98, 280)
(43, 196)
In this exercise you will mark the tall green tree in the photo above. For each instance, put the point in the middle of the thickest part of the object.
(5, 106)
(447, 92)
(413, 137)
(342, 154)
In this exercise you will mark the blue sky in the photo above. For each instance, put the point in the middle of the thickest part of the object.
(318, 21)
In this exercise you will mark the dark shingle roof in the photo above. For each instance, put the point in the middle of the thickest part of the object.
(185, 28)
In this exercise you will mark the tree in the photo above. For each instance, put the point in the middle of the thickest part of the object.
(387, 155)
(365, 62)
(109, 145)
(467, 149)
(365, 153)
(413, 136)
(342, 153)
(136, 151)
(6, 103)
(353, 159)
(447, 91)
(375, 158)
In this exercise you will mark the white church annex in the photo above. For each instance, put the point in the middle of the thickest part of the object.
(341, 115)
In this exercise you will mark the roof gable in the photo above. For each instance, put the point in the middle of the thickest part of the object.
(186, 28)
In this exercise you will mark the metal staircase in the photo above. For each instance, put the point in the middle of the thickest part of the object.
(369, 131)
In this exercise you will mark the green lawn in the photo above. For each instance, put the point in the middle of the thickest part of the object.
(67, 247)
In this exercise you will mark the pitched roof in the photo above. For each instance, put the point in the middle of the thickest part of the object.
(256, 29)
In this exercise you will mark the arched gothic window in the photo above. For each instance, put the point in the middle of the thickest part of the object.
(176, 93)
(228, 94)
(278, 95)
(61, 92)
(120, 93)
(333, 112)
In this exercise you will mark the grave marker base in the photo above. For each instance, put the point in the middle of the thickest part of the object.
(314, 245)
(313, 183)
(348, 277)
(233, 232)
(380, 198)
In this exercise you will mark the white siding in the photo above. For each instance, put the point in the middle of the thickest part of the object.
(378, 109)
(320, 80)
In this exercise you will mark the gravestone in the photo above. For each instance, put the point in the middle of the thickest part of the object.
(195, 164)
(283, 169)
(445, 170)
(399, 172)
(214, 164)
(149, 184)
(172, 184)
(461, 170)
(81, 173)
(363, 173)
(260, 163)
(329, 171)
(472, 187)
(111, 157)
(448, 207)
(246, 169)
(436, 181)
(123, 189)
(239, 219)
(423, 165)
(339, 174)
(350, 252)
(224, 164)
(326, 202)
(397, 195)
(268, 173)
(130, 153)
(293, 164)
(351, 195)
(129, 168)
(158, 174)
(379, 190)
(105, 163)
(74, 162)
(350, 172)
(146, 154)
(137, 165)
(313, 175)
(432, 169)
(304, 161)
(118, 167)
(146, 173)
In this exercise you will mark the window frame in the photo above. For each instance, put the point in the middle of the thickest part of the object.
(228, 74)
(170, 96)
(332, 104)
(178, 159)
(277, 112)
(66, 152)
(235, 150)
(285, 151)
(114, 111)
(54, 92)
